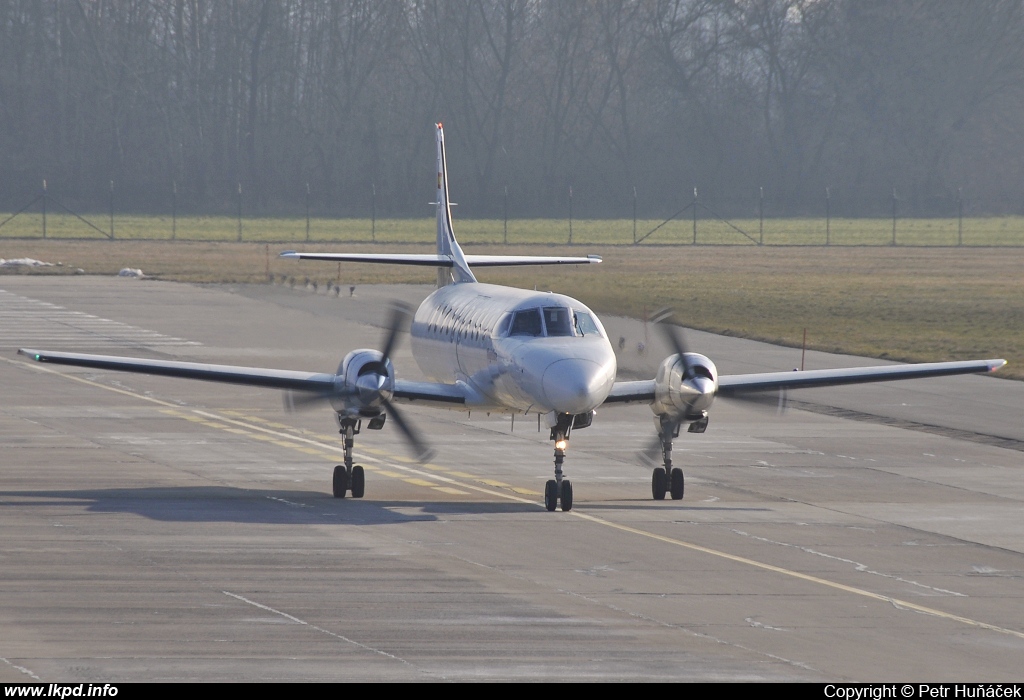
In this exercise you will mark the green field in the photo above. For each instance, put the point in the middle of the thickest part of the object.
(913, 303)
(993, 231)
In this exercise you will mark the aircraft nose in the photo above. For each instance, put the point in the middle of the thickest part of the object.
(575, 385)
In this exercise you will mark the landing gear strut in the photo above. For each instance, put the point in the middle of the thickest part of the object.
(349, 478)
(667, 478)
(559, 488)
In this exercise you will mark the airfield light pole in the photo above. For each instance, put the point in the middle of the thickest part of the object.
(373, 212)
(504, 230)
(111, 210)
(307, 212)
(44, 208)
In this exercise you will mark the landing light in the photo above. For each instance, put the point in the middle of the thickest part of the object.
(561, 444)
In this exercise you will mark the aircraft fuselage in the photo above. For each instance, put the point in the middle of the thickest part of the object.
(520, 350)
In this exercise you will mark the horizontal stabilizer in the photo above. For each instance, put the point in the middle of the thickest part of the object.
(430, 260)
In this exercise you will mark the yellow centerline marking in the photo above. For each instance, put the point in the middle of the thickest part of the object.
(207, 418)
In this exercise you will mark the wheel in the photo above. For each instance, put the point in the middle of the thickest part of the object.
(677, 484)
(658, 484)
(340, 481)
(551, 495)
(566, 495)
(358, 482)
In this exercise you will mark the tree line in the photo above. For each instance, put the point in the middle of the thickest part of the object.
(330, 103)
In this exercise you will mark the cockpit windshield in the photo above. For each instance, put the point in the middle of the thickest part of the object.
(558, 320)
(526, 322)
(551, 321)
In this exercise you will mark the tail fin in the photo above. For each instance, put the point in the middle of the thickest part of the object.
(447, 246)
(452, 265)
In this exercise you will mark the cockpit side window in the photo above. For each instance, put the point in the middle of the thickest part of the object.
(585, 324)
(527, 322)
(558, 319)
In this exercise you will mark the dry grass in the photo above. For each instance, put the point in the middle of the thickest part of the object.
(914, 303)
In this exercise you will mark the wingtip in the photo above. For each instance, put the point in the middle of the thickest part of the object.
(594, 258)
(33, 354)
(993, 365)
(289, 254)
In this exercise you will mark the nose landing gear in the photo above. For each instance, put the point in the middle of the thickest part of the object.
(559, 489)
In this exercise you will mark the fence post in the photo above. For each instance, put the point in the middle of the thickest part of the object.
(828, 217)
(760, 213)
(174, 209)
(959, 216)
(307, 212)
(570, 214)
(634, 215)
(694, 216)
(111, 210)
(893, 216)
(44, 208)
(239, 212)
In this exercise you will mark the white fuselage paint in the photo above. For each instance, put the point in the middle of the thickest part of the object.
(460, 333)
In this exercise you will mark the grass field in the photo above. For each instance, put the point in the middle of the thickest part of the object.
(903, 303)
(993, 231)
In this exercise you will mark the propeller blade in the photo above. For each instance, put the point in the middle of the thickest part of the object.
(303, 400)
(400, 314)
(419, 446)
(674, 335)
(651, 456)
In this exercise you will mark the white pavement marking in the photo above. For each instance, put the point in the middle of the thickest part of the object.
(26, 322)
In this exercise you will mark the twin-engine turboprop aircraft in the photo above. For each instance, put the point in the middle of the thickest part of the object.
(491, 348)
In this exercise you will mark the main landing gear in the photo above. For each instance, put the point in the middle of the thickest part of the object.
(349, 478)
(667, 478)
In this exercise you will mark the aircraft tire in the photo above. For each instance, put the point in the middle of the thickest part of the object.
(551, 494)
(659, 484)
(566, 495)
(358, 482)
(677, 484)
(340, 481)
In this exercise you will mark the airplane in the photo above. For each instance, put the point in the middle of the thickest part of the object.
(500, 349)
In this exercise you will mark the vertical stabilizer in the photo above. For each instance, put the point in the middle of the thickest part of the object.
(446, 243)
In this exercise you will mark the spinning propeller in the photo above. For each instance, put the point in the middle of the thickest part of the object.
(364, 386)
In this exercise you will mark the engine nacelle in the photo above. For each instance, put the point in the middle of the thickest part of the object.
(365, 383)
(685, 400)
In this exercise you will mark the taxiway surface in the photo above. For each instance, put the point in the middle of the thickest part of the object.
(159, 529)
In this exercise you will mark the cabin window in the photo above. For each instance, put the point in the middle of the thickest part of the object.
(585, 324)
(558, 319)
(527, 322)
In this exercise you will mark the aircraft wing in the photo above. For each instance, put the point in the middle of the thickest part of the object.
(429, 392)
(631, 392)
(316, 382)
(433, 260)
(738, 384)
(732, 385)
(229, 374)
